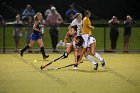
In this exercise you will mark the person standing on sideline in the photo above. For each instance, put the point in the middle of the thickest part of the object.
(70, 13)
(48, 11)
(53, 20)
(17, 31)
(127, 31)
(1, 21)
(36, 36)
(29, 30)
(114, 32)
(28, 11)
(87, 27)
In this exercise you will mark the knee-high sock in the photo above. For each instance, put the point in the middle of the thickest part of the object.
(25, 48)
(88, 57)
(42, 51)
(96, 55)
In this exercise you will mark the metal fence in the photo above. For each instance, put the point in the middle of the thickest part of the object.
(101, 33)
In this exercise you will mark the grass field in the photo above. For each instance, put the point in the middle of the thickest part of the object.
(22, 75)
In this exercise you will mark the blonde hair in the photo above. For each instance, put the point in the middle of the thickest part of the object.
(36, 16)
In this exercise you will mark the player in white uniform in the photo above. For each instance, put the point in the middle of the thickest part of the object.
(77, 22)
(76, 25)
(88, 45)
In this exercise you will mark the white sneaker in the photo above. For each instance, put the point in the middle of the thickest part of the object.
(60, 43)
(75, 68)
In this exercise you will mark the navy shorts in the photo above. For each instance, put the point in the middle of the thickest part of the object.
(36, 36)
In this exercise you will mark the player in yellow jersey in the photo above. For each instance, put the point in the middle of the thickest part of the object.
(87, 27)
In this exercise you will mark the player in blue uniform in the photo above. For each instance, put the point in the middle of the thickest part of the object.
(36, 36)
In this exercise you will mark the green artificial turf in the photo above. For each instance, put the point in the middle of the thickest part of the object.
(22, 75)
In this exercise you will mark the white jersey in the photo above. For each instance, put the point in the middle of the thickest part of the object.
(79, 25)
(88, 40)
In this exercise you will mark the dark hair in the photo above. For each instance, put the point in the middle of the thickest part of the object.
(81, 40)
(74, 27)
(87, 12)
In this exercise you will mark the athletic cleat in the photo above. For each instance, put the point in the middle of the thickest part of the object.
(21, 52)
(103, 63)
(46, 56)
(75, 68)
(96, 66)
(60, 43)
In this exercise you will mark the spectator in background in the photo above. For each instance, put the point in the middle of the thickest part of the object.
(87, 27)
(1, 20)
(29, 30)
(53, 20)
(28, 11)
(127, 31)
(71, 12)
(17, 31)
(114, 32)
(48, 11)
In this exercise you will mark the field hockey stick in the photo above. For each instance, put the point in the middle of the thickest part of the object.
(65, 55)
(64, 66)
(61, 57)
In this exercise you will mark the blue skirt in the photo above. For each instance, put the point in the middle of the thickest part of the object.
(36, 36)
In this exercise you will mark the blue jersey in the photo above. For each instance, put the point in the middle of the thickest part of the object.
(36, 35)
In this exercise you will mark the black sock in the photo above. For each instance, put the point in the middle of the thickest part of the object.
(76, 65)
(25, 48)
(42, 51)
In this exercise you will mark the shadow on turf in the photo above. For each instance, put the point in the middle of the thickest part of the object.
(79, 70)
(89, 71)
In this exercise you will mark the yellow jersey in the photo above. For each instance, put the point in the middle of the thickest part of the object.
(86, 30)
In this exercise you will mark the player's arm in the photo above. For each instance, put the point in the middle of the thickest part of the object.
(69, 48)
(66, 38)
(89, 26)
(35, 26)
